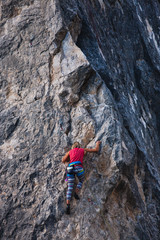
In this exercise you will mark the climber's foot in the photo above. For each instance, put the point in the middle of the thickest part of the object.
(68, 209)
(76, 196)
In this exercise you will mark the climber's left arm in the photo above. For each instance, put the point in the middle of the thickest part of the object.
(65, 158)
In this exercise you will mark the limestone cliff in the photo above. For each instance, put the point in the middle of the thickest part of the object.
(80, 70)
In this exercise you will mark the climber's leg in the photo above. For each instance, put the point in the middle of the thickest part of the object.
(81, 180)
(80, 175)
(71, 179)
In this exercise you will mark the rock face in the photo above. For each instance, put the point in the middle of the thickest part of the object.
(82, 71)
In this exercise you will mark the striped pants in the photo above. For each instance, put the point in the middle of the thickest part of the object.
(79, 172)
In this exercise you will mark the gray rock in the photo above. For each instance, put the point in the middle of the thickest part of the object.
(79, 71)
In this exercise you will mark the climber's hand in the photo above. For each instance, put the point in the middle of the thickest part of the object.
(98, 143)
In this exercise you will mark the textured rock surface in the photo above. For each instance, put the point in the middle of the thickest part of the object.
(80, 71)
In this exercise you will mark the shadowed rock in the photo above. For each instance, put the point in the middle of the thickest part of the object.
(79, 71)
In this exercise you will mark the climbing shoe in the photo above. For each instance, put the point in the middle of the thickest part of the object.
(76, 196)
(68, 209)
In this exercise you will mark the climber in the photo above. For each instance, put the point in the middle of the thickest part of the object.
(75, 167)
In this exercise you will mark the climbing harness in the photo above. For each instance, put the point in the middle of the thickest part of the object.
(75, 163)
(70, 169)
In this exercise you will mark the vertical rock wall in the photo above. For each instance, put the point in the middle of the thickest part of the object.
(79, 71)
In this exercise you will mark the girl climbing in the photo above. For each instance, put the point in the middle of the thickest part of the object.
(75, 167)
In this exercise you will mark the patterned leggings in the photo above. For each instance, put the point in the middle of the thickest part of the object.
(79, 172)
